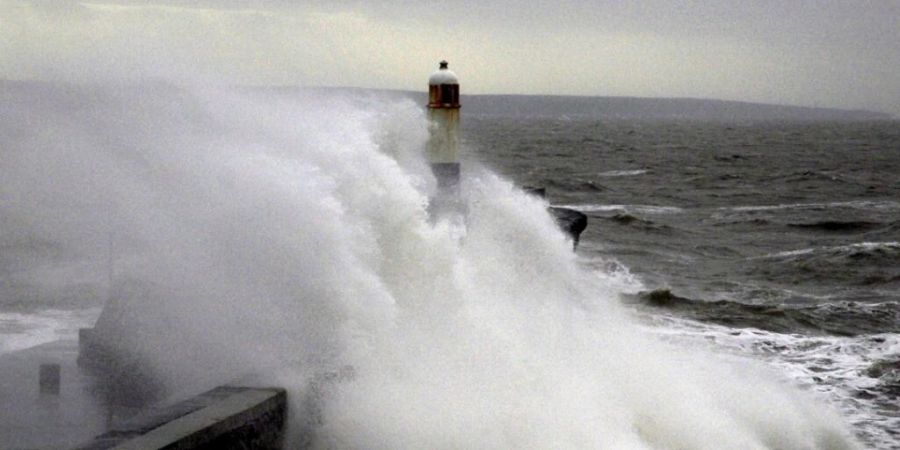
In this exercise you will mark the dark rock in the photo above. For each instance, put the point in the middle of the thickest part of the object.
(572, 222)
(534, 190)
(663, 297)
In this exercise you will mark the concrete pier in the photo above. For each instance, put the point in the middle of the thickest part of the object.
(48, 401)
(223, 418)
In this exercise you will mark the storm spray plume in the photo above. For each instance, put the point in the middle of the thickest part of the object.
(284, 238)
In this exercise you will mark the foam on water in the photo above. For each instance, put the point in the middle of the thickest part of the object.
(864, 246)
(23, 330)
(613, 273)
(854, 204)
(292, 242)
(622, 173)
(840, 369)
(644, 209)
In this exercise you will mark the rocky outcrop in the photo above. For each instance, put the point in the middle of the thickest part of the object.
(572, 222)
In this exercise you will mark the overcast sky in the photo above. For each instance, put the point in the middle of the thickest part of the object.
(833, 53)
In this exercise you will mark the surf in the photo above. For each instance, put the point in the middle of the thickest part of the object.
(287, 241)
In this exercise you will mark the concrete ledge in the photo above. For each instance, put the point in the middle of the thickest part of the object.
(224, 418)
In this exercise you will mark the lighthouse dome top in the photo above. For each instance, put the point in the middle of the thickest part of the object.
(443, 76)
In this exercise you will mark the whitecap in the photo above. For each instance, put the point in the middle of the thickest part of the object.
(867, 246)
(19, 330)
(644, 209)
(622, 173)
(855, 204)
(828, 365)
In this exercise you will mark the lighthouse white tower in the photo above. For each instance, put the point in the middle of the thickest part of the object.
(443, 143)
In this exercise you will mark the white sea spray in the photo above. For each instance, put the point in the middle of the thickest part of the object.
(288, 241)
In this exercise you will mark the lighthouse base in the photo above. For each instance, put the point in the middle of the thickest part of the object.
(447, 175)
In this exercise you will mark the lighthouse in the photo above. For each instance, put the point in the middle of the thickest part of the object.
(443, 142)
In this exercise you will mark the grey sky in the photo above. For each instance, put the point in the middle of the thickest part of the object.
(816, 53)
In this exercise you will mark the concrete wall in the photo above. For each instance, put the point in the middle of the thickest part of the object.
(224, 418)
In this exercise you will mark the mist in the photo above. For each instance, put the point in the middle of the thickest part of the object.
(285, 240)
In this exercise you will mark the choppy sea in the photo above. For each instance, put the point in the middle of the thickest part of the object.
(776, 240)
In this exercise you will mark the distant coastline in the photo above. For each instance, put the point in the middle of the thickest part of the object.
(537, 106)
(627, 108)
(657, 108)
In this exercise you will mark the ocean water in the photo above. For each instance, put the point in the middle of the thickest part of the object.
(776, 240)
(736, 287)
